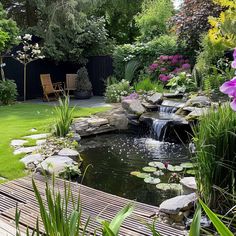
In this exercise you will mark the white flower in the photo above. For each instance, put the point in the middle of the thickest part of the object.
(27, 37)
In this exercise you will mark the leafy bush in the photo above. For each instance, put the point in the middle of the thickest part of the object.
(64, 115)
(183, 82)
(208, 57)
(215, 160)
(144, 53)
(83, 82)
(116, 91)
(148, 85)
(130, 69)
(223, 29)
(152, 21)
(8, 91)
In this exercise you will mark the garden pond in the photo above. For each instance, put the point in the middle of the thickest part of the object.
(117, 159)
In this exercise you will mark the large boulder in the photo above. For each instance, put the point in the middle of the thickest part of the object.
(68, 153)
(199, 101)
(133, 107)
(34, 158)
(189, 183)
(178, 204)
(156, 98)
(56, 164)
(120, 121)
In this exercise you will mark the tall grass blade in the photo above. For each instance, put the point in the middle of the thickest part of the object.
(196, 223)
(220, 227)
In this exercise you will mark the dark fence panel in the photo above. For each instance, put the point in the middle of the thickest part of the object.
(99, 68)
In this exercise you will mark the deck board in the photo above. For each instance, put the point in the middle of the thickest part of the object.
(94, 203)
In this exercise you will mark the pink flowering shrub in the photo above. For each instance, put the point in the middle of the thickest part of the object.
(229, 87)
(166, 67)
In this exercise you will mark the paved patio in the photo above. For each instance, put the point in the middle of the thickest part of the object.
(96, 101)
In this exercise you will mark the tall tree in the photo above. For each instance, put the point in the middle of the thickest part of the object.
(68, 33)
(153, 20)
(192, 21)
(8, 35)
(22, 11)
(119, 17)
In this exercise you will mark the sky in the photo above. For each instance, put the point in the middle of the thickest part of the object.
(177, 3)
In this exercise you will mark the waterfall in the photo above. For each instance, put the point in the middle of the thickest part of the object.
(167, 109)
(159, 129)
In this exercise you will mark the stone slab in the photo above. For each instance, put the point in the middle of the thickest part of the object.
(37, 136)
(26, 150)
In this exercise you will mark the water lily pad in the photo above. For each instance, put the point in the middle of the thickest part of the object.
(149, 169)
(187, 165)
(134, 173)
(158, 173)
(151, 180)
(190, 172)
(157, 164)
(166, 186)
(143, 175)
(175, 168)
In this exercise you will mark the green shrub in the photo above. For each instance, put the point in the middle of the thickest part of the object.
(83, 82)
(114, 92)
(215, 160)
(144, 53)
(64, 116)
(148, 85)
(209, 55)
(8, 91)
(130, 70)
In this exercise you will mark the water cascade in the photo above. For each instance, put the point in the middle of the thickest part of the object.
(167, 109)
(159, 128)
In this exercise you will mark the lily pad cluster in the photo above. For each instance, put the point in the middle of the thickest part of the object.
(155, 169)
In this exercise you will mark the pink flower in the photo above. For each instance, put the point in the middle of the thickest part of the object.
(171, 57)
(164, 78)
(166, 164)
(163, 69)
(153, 66)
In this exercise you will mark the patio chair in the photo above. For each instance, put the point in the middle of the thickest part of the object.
(50, 88)
(71, 82)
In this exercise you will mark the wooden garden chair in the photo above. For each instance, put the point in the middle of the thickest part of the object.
(50, 88)
(71, 82)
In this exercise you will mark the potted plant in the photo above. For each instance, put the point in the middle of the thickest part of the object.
(84, 86)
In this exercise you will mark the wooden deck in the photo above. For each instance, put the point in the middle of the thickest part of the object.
(93, 202)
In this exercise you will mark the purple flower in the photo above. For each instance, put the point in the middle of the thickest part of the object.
(164, 78)
(234, 54)
(153, 66)
(186, 66)
(132, 96)
(234, 64)
(229, 87)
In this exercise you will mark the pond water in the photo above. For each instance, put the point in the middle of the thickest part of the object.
(114, 156)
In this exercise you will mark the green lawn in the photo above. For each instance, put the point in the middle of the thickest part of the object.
(16, 121)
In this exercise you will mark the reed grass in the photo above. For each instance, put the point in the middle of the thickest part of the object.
(64, 116)
(215, 141)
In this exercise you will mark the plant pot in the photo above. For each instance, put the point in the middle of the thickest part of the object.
(82, 94)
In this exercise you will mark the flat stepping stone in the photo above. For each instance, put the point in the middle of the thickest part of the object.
(34, 158)
(57, 164)
(189, 182)
(41, 142)
(2, 178)
(26, 150)
(68, 152)
(18, 142)
(178, 204)
(37, 136)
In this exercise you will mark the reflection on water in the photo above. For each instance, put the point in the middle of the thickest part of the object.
(114, 156)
